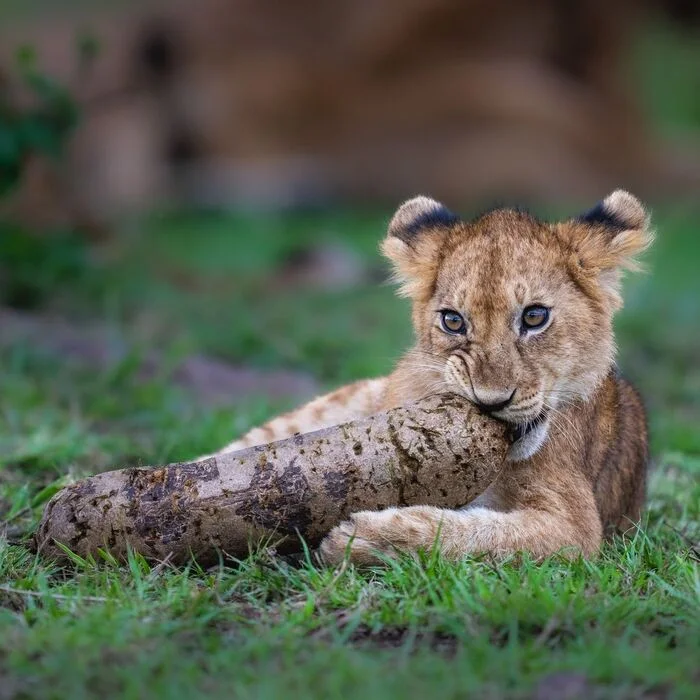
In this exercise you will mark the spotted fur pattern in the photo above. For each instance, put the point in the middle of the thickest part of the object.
(578, 469)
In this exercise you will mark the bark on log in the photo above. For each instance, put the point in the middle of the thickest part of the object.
(437, 452)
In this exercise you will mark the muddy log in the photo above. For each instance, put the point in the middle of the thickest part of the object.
(437, 452)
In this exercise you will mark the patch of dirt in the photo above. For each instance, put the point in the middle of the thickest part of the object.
(12, 688)
(210, 380)
(569, 685)
(13, 602)
(327, 266)
(398, 636)
(563, 686)
(218, 382)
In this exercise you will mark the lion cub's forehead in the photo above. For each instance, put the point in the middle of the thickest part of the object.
(501, 260)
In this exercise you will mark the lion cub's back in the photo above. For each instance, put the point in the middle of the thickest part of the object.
(620, 484)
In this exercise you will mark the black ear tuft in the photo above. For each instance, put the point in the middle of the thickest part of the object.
(618, 212)
(599, 216)
(419, 214)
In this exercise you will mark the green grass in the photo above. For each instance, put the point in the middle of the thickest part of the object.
(627, 625)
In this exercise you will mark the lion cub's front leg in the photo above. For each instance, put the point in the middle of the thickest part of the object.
(369, 537)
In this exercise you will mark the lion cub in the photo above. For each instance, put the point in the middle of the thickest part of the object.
(516, 315)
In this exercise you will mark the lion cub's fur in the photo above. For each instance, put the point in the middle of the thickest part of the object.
(579, 469)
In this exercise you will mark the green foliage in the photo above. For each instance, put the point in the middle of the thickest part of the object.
(41, 126)
(37, 117)
(33, 268)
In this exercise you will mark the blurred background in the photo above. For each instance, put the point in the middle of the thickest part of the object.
(192, 193)
(258, 103)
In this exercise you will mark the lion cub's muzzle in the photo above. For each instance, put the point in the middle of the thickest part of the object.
(520, 430)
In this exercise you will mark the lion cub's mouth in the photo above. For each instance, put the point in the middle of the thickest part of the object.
(520, 430)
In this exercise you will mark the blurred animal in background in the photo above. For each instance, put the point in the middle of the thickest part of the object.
(229, 103)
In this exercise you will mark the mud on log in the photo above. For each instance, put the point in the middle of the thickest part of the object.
(437, 452)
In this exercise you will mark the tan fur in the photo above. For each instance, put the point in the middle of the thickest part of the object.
(581, 471)
(350, 402)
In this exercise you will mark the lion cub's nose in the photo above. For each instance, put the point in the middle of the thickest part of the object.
(491, 402)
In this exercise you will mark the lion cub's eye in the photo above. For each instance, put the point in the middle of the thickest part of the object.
(452, 322)
(535, 317)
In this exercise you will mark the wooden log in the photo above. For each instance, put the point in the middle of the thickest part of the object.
(438, 452)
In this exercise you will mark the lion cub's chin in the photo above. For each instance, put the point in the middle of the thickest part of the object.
(527, 445)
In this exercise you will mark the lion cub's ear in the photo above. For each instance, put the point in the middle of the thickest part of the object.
(615, 231)
(415, 234)
(608, 238)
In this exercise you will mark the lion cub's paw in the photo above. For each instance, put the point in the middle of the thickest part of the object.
(370, 537)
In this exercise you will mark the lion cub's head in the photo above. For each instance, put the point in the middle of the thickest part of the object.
(512, 312)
